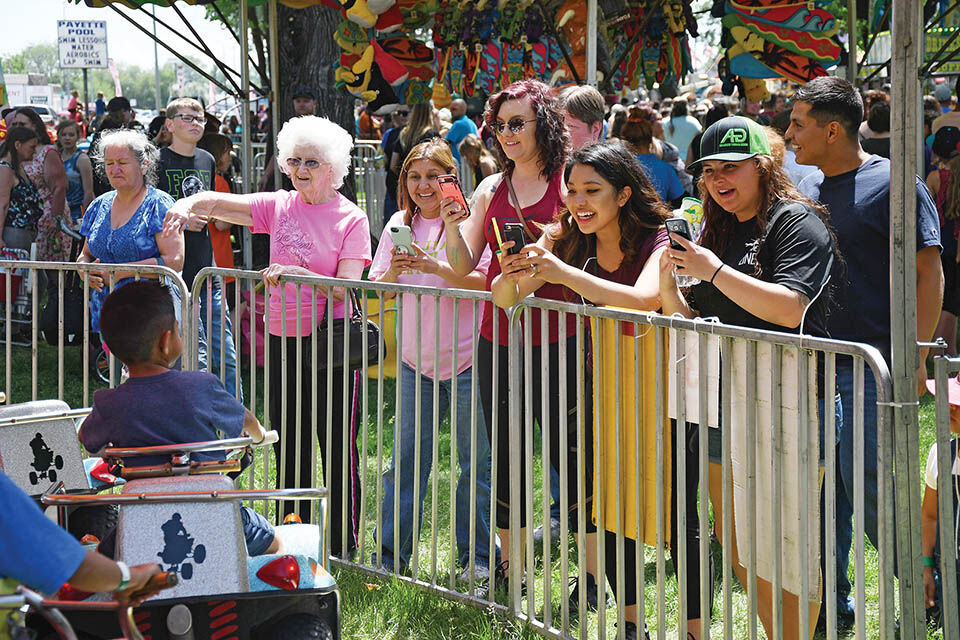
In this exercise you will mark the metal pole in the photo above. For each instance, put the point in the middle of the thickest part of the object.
(246, 154)
(274, 85)
(86, 95)
(852, 36)
(592, 43)
(156, 62)
(905, 150)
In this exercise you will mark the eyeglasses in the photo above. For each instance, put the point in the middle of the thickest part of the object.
(401, 113)
(515, 125)
(187, 118)
(294, 163)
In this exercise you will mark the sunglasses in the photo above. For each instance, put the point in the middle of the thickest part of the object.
(401, 113)
(189, 119)
(294, 163)
(516, 125)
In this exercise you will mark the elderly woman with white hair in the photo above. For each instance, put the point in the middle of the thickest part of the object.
(125, 226)
(313, 230)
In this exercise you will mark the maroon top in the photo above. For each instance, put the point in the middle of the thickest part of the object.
(536, 216)
(628, 272)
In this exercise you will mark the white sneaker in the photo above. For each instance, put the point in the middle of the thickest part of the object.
(481, 573)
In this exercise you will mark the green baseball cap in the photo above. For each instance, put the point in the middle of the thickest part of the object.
(733, 138)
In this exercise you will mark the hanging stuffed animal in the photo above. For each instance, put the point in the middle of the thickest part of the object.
(455, 70)
(358, 11)
(351, 37)
(571, 20)
(356, 79)
(513, 62)
(489, 77)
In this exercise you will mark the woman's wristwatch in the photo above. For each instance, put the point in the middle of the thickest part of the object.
(124, 576)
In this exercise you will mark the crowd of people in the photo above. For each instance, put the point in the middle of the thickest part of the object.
(795, 238)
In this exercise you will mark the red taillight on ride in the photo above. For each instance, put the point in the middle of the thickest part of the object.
(283, 573)
(72, 594)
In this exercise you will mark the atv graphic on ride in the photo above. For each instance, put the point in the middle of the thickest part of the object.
(178, 547)
(43, 460)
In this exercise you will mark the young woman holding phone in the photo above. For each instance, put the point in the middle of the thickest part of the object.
(764, 259)
(419, 197)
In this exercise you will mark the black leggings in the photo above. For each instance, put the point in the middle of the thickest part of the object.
(692, 537)
(286, 422)
(505, 475)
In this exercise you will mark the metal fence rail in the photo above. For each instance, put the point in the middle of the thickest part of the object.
(24, 285)
(621, 392)
(369, 170)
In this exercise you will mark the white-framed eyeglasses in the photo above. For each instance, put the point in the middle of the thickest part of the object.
(294, 163)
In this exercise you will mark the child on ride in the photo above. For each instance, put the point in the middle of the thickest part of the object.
(159, 406)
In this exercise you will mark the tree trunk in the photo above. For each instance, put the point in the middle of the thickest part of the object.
(308, 57)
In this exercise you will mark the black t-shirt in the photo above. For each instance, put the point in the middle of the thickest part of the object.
(182, 176)
(390, 143)
(795, 250)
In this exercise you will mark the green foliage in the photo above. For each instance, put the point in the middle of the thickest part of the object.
(137, 83)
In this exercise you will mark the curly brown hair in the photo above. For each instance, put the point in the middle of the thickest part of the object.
(643, 212)
(552, 137)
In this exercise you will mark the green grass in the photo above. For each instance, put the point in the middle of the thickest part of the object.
(376, 608)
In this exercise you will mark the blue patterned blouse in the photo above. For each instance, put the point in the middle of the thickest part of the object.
(132, 242)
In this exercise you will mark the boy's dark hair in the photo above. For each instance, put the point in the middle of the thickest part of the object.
(879, 117)
(832, 98)
(133, 317)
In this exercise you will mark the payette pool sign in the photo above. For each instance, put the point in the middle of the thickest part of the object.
(82, 43)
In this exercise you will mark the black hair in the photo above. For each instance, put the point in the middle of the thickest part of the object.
(37, 124)
(832, 98)
(9, 146)
(678, 110)
(879, 117)
(641, 214)
(134, 317)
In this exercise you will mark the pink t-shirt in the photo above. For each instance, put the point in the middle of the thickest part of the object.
(313, 236)
(427, 236)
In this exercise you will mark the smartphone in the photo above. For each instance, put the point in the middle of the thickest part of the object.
(680, 226)
(402, 239)
(514, 231)
(450, 188)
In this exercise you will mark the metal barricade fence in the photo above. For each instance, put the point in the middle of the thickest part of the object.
(369, 170)
(948, 492)
(616, 394)
(27, 283)
(520, 458)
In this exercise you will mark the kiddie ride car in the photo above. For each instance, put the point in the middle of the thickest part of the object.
(39, 447)
(186, 516)
(52, 610)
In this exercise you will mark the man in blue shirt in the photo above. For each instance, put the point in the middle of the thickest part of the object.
(41, 555)
(461, 128)
(855, 187)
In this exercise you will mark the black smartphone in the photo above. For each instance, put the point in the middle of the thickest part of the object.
(514, 231)
(681, 227)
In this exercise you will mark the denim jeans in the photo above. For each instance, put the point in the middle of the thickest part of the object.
(229, 351)
(400, 542)
(845, 457)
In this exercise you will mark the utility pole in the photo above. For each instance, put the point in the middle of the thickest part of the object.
(156, 62)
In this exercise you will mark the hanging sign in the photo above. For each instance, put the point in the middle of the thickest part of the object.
(82, 44)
